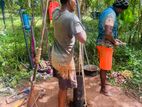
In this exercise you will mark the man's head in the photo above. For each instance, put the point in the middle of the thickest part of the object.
(71, 4)
(121, 5)
(63, 2)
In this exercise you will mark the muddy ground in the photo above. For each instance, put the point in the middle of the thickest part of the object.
(94, 98)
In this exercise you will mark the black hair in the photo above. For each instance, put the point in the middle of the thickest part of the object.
(63, 2)
(121, 6)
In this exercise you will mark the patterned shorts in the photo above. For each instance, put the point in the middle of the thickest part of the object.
(65, 83)
(66, 74)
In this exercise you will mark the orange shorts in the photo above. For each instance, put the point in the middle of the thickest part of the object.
(105, 57)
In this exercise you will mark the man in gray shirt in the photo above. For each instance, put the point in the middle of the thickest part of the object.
(67, 28)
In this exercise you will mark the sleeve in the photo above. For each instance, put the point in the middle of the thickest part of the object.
(110, 19)
(55, 14)
(76, 26)
(52, 6)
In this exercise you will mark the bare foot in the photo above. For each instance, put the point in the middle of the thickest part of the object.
(104, 92)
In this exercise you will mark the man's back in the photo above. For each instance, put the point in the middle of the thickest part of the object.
(64, 35)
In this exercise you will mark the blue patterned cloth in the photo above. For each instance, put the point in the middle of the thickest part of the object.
(108, 12)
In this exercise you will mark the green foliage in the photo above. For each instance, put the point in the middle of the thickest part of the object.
(122, 55)
(12, 53)
(90, 45)
(130, 59)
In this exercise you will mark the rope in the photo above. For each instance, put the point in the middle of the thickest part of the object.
(81, 58)
(86, 56)
(81, 63)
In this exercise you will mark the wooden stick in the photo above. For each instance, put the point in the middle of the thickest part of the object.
(38, 55)
(81, 58)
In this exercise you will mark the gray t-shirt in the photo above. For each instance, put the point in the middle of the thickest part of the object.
(66, 26)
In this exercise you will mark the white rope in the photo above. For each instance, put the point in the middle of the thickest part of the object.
(86, 56)
(81, 64)
(81, 58)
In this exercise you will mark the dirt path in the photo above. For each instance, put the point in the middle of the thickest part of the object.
(94, 98)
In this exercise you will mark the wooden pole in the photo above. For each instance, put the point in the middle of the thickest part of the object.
(37, 59)
(81, 79)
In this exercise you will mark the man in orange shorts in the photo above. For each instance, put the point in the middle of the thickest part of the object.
(107, 38)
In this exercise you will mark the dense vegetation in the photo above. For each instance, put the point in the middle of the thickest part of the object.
(13, 54)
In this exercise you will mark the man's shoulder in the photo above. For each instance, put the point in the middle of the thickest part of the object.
(71, 17)
(56, 12)
(75, 18)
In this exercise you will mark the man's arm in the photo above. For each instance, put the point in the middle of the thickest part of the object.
(78, 30)
(81, 36)
(108, 34)
(109, 23)
(109, 37)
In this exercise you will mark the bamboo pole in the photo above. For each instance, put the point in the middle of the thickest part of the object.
(37, 59)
